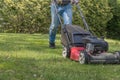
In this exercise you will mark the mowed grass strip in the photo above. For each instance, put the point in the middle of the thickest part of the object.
(28, 57)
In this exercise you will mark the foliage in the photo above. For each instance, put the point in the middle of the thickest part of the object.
(97, 14)
(34, 15)
(114, 24)
(25, 15)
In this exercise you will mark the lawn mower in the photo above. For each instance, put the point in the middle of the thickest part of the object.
(79, 44)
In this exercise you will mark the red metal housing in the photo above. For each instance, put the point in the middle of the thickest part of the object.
(75, 52)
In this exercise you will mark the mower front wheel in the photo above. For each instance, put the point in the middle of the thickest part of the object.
(66, 52)
(83, 57)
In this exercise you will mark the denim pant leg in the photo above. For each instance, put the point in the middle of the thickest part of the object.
(67, 14)
(54, 25)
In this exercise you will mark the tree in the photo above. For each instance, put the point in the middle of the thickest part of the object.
(113, 25)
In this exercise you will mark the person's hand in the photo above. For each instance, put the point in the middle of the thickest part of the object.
(58, 1)
(74, 1)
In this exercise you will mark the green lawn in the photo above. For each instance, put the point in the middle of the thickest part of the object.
(27, 57)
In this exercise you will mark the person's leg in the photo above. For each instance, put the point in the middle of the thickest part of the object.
(67, 14)
(53, 27)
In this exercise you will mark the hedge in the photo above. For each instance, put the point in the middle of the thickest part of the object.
(33, 16)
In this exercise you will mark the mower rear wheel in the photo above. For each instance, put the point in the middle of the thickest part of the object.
(66, 52)
(83, 57)
(117, 53)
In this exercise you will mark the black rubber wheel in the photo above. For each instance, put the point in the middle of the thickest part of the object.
(83, 57)
(66, 52)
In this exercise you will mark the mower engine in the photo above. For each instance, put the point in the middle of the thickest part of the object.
(94, 45)
(96, 52)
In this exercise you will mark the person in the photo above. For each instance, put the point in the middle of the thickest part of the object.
(64, 9)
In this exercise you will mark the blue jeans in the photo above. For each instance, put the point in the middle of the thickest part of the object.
(65, 12)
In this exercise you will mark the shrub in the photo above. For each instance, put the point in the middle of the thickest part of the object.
(34, 15)
(113, 25)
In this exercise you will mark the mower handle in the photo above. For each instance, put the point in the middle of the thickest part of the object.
(83, 19)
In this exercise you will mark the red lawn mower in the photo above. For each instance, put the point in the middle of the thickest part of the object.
(80, 45)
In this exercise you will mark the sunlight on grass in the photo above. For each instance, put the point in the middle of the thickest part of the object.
(114, 45)
(28, 57)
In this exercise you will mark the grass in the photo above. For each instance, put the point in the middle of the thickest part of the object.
(27, 57)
